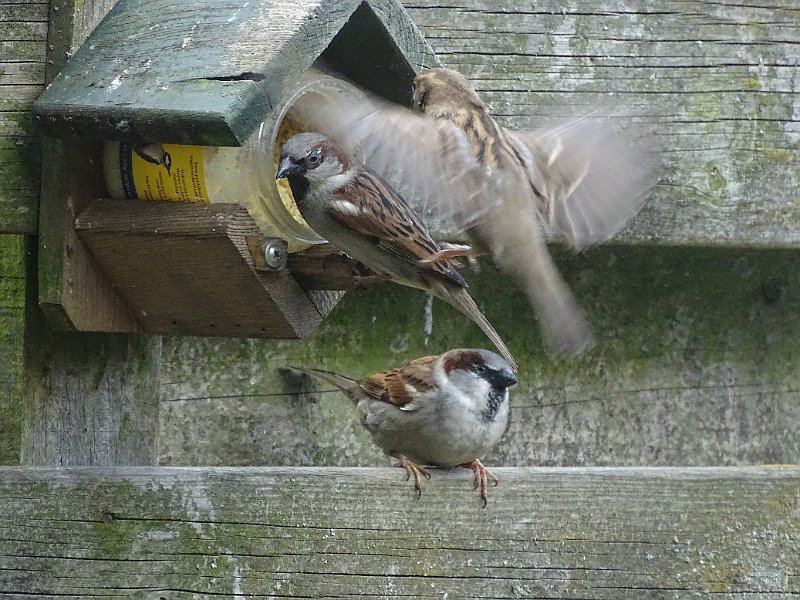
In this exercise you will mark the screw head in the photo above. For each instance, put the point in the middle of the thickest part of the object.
(275, 253)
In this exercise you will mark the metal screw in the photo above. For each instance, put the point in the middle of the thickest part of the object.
(275, 253)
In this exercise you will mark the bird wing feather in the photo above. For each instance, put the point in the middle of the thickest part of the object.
(428, 161)
(403, 385)
(593, 173)
(385, 217)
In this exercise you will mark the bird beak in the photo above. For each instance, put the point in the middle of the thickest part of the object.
(287, 167)
(505, 378)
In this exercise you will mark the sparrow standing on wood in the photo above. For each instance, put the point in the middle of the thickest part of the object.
(458, 168)
(359, 213)
(446, 410)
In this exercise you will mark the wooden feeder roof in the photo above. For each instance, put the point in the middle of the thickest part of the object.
(210, 72)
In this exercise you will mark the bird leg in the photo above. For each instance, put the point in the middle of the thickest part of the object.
(412, 468)
(482, 476)
(447, 252)
(363, 281)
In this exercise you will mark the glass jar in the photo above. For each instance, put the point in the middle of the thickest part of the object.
(242, 175)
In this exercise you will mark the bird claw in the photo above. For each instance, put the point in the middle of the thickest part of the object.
(412, 469)
(482, 477)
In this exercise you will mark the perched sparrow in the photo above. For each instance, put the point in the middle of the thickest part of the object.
(583, 180)
(446, 410)
(359, 213)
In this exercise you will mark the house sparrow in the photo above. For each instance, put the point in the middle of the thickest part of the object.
(359, 213)
(446, 410)
(583, 180)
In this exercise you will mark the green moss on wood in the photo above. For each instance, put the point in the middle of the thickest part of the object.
(113, 537)
(781, 154)
(12, 325)
(313, 532)
(671, 325)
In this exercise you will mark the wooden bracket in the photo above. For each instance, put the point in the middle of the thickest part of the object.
(187, 269)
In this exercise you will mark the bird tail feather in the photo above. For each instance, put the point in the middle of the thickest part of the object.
(563, 323)
(346, 384)
(463, 301)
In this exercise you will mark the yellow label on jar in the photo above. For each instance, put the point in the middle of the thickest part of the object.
(163, 172)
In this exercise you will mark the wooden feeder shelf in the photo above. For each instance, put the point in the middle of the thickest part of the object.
(210, 78)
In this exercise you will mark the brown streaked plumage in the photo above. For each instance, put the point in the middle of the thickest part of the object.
(445, 410)
(511, 233)
(429, 163)
(359, 213)
(461, 171)
(579, 181)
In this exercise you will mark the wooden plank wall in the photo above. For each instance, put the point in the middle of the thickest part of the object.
(22, 68)
(611, 534)
(76, 398)
(697, 341)
(696, 362)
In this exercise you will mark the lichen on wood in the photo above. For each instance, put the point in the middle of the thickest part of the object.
(694, 364)
(13, 263)
(555, 533)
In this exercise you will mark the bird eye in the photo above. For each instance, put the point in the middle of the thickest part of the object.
(314, 159)
(420, 100)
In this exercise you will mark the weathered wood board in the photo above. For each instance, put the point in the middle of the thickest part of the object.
(216, 71)
(615, 534)
(22, 66)
(13, 266)
(89, 399)
(695, 364)
(176, 265)
(79, 399)
(718, 81)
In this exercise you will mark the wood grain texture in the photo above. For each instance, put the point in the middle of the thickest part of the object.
(186, 269)
(73, 290)
(613, 534)
(717, 82)
(211, 73)
(22, 66)
(322, 268)
(86, 399)
(89, 399)
(13, 264)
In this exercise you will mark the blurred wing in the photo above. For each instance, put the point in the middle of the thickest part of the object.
(593, 174)
(428, 161)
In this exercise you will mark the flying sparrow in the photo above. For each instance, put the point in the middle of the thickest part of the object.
(360, 214)
(446, 410)
(583, 180)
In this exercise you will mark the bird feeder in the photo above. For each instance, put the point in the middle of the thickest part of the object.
(217, 78)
